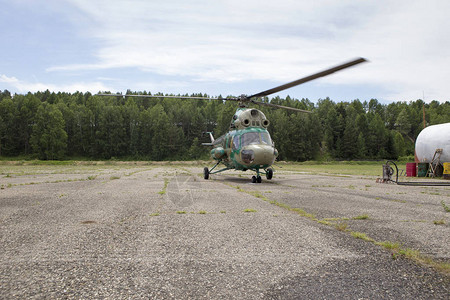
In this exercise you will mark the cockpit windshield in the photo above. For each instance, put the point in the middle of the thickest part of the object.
(255, 138)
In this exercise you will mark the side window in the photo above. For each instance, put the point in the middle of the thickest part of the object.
(227, 143)
(236, 142)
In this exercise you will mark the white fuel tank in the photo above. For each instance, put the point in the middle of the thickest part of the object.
(432, 138)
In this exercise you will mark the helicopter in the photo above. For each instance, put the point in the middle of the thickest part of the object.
(248, 145)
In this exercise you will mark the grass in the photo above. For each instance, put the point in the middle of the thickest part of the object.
(362, 236)
(114, 177)
(202, 212)
(364, 168)
(439, 222)
(248, 210)
(164, 190)
(341, 226)
(181, 212)
(446, 208)
(361, 217)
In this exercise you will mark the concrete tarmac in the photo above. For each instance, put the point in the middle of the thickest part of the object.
(163, 232)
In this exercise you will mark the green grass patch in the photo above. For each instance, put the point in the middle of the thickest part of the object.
(360, 168)
(446, 208)
(341, 226)
(389, 245)
(181, 212)
(362, 236)
(164, 190)
(249, 210)
(202, 212)
(114, 177)
(439, 222)
(361, 217)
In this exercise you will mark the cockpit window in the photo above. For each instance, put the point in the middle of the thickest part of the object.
(255, 138)
(236, 144)
(265, 138)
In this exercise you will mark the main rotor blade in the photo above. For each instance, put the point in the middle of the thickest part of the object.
(162, 96)
(309, 78)
(280, 106)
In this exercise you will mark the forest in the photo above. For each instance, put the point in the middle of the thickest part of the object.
(56, 126)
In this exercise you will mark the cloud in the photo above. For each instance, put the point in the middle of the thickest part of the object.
(278, 41)
(24, 86)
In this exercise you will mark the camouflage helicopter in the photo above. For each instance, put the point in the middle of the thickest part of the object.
(248, 145)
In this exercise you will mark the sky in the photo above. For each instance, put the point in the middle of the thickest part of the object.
(228, 47)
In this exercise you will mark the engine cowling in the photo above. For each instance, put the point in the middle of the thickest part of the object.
(217, 153)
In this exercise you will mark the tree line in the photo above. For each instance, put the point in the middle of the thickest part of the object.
(54, 126)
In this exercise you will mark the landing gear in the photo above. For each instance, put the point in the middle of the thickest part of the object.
(206, 173)
(269, 173)
(256, 179)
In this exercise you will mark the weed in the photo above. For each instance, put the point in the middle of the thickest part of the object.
(341, 226)
(154, 214)
(92, 177)
(360, 235)
(439, 222)
(446, 208)
(258, 195)
(181, 212)
(250, 210)
(361, 217)
(223, 212)
(324, 222)
(114, 177)
(202, 212)
(331, 219)
(389, 245)
(166, 183)
(303, 213)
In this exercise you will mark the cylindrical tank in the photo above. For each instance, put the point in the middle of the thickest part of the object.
(432, 138)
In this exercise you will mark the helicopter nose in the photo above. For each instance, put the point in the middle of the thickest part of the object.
(261, 154)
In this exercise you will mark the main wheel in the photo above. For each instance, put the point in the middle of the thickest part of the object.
(258, 179)
(269, 173)
(205, 173)
(253, 179)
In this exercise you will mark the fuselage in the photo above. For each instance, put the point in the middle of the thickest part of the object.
(248, 144)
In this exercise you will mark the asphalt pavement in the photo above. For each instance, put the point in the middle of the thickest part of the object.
(159, 232)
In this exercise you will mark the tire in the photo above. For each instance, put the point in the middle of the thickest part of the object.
(269, 173)
(253, 179)
(258, 179)
(206, 173)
